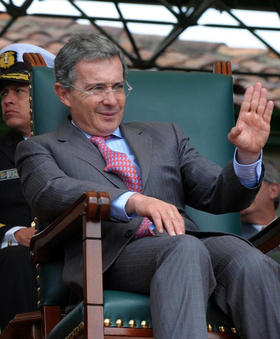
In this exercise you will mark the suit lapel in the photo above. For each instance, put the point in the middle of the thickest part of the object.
(137, 139)
(83, 149)
(141, 145)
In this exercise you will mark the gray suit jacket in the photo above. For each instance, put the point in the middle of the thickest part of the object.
(57, 168)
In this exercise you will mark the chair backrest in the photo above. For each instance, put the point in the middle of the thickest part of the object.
(201, 103)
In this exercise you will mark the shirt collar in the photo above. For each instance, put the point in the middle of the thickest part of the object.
(260, 227)
(117, 133)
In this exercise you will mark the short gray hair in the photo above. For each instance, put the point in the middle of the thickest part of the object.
(87, 47)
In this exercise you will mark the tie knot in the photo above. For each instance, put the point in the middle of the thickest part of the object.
(100, 140)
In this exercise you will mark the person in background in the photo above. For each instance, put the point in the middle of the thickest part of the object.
(149, 243)
(17, 273)
(262, 211)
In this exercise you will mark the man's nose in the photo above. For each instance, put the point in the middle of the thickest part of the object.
(110, 97)
(8, 97)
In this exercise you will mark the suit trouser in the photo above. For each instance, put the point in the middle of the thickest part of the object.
(181, 272)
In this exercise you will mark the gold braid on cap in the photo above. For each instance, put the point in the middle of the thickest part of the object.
(18, 76)
(8, 59)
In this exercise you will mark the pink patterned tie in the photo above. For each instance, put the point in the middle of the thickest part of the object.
(120, 164)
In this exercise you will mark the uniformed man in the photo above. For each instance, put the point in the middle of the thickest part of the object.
(17, 274)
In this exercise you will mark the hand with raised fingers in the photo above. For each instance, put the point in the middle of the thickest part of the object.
(252, 128)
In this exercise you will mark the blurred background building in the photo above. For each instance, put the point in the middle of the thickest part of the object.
(165, 34)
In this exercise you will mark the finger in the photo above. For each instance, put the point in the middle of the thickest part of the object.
(169, 226)
(173, 222)
(157, 222)
(234, 132)
(178, 221)
(268, 111)
(23, 242)
(246, 102)
(31, 231)
(168, 219)
(179, 226)
(255, 97)
(262, 102)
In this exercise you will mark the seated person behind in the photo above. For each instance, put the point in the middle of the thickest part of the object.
(18, 286)
(263, 209)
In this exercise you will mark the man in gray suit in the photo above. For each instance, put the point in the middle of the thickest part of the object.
(175, 263)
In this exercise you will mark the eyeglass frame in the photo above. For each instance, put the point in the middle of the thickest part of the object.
(105, 91)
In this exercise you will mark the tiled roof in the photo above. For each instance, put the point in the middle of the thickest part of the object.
(52, 33)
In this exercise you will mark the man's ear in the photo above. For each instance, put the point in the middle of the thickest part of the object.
(274, 189)
(62, 93)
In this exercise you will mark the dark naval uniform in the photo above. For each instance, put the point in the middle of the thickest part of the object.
(17, 273)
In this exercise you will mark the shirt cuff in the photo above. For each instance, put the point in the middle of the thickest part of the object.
(9, 238)
(118, 207)
(249, 175)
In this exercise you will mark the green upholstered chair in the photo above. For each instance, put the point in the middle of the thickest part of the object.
(202, 104)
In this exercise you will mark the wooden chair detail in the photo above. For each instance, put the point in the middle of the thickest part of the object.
(223, 67)
(33, 59)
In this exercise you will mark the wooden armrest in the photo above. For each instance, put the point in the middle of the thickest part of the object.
(268, 238)
(23, 325)
(95, 205)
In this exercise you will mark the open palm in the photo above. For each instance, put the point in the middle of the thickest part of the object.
(252, 128)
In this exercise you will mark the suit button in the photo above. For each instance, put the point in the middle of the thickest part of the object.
(128, 233)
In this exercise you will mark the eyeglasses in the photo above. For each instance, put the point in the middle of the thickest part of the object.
(101, 90)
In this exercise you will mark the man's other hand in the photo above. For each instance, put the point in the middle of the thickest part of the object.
(162, 214)
(24, 235)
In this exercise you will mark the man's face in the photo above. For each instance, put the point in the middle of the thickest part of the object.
(96, 114)
(263, 202)
(15, 107)
(262, 199)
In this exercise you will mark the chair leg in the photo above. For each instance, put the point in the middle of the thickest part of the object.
(94, 321)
